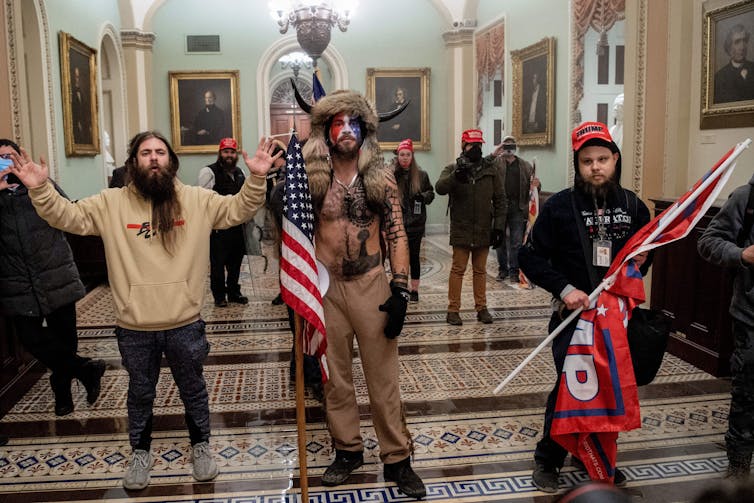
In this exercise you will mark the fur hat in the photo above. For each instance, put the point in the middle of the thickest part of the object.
(317, 149)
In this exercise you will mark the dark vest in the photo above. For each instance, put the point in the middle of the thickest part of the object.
(227, 182)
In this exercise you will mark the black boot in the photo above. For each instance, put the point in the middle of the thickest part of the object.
(407, 480)
(90, 375)
(345, 462)
(739, 467)
(61, 388)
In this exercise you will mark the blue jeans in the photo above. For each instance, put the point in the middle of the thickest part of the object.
(507, 253)
(185, 350)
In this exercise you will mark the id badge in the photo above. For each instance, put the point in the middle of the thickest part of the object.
(417, 208)
(602, 253)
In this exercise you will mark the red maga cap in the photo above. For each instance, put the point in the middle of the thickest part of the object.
(406, 144)
(472, 136)
(592, 131)
(228, 143)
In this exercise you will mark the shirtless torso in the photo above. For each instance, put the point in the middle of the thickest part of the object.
(348, 230)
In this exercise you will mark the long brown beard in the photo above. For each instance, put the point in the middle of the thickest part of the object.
(160, 189)
(598, 192)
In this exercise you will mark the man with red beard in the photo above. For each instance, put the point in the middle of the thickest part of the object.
(155, 235)
(356, 202)
(226, 246)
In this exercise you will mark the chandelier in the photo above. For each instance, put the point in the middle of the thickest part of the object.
(295, 61)
(313, 20)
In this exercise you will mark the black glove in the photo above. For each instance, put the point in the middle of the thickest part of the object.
(462, 173)
(395, 307)
(496, 238)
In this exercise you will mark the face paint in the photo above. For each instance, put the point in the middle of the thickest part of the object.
(345, 125)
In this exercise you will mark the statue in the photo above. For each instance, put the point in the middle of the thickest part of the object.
(616, 130)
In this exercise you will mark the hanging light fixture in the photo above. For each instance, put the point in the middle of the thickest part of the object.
(295, 61)
(313, 20)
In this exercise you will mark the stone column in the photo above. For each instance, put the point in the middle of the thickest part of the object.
(461, 86)
(137, 54)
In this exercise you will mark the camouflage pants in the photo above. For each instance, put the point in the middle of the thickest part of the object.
(739, 440)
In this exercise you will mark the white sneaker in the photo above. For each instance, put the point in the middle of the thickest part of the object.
(137, 474)
(205, 468)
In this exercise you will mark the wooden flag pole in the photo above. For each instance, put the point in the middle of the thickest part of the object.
(301, 409)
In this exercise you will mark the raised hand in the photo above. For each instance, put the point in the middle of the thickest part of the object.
(262, 161)
(30, 173)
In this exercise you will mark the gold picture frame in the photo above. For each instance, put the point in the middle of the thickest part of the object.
(533, 112)
(204, 108)
(78, 72)
(388, 88)
(727, 100)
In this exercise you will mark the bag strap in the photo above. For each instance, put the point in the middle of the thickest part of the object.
(748, 219)
(593, 277)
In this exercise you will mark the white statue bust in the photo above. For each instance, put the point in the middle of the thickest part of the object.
(616, 130)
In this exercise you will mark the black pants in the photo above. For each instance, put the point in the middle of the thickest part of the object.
(739, 439)
(226, 251)
(56, 345)
(414, 247)
(549, 452)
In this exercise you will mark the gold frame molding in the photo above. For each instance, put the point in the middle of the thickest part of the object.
(232, 77)
(724, 114)
(404, 74)
(69, 45)
(545, 48)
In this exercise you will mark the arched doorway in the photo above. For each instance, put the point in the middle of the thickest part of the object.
(285, 114)
(113, 109)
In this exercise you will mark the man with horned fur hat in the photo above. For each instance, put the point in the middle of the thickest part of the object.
(356, 202)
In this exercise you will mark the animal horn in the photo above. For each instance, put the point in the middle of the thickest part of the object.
(306, 107)
(393, 113)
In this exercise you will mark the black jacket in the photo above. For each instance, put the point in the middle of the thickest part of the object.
(37, 271)
(554, 256)
(412, 221)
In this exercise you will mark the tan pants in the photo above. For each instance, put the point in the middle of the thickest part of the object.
(457, 270)
(352, 307)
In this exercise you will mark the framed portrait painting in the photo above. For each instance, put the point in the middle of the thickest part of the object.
(78, 72)
(204, 108)
(533, 111)
(389, 88)
(728, 67)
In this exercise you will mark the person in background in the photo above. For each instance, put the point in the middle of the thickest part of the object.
(728, 243)
(555, 258)
(477, 219)
(518, 177)
(226, 246)
(39, 287)
(416, 193)
(155, 235)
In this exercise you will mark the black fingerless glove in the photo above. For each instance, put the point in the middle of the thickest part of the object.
(496, 238)
(395, 307)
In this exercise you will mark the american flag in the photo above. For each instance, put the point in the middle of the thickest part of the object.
(299, 279)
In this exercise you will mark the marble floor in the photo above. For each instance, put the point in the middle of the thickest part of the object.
(470, 445)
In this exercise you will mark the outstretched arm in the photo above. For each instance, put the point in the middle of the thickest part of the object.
(30, 173)
(263, 159)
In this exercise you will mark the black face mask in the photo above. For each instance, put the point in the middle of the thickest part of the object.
(474, 154)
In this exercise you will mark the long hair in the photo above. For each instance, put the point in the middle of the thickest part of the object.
(166, 208)
(414, 180)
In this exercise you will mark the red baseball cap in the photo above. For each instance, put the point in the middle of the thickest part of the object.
(228, 143)
(406, 144)
(472, 136)
(596, 133)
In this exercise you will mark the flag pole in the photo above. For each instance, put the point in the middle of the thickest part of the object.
(662, 225)
(300, 409)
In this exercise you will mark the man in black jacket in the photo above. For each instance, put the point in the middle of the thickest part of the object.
(39, 287)
(477, 219)
(226, 247)
(569, 267)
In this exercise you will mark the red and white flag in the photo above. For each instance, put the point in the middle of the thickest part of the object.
(299, 277)
(533, 213)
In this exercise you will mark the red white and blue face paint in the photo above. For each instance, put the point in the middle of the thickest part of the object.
(345, 125)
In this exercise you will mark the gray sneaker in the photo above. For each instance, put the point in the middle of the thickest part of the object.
(137, 474)
(205, 468)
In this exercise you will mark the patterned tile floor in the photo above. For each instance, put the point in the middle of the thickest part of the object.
(470, 445)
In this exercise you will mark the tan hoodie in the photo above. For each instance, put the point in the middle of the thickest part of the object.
(152, 290)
